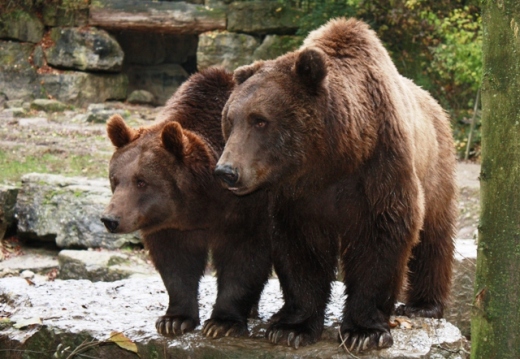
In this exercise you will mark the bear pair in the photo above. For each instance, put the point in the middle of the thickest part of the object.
(329, 153)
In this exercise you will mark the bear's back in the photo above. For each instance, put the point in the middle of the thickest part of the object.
(197, 104)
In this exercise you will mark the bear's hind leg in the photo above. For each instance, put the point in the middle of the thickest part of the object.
(430, 267)
(180, 258)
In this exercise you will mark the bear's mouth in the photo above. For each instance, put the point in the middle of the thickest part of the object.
(240, 191)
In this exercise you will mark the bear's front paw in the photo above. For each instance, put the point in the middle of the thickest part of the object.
(420, 310)
(294, 335)
(356, 341)
(216, 328)
(168, 325)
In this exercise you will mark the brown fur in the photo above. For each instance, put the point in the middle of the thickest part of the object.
(351, 151)
(163, 185)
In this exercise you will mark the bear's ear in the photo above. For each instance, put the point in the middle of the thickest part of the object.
(174, 140)
(311, 67)
(119, 133)
(244, 72)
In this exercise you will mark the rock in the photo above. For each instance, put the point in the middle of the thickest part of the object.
(141, 97)
(34, 262)
(27, 274)
(48, 105)
(8, 195)
(74, 311)
(262, 18)
(165, 17)
(100, 266)
(65, 13)
(81, 88)
(66, 210)
(14, 112)
(14, 103)
(462, 294)
(33, 121)
(161, 80)
(84, 49)
(18, 77)
(226, 49)
(38, 57)
(22, 26)
(142, 48)
(276, 45)
(100, 113)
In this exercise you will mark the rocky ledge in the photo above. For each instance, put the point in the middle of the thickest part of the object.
(116, 320)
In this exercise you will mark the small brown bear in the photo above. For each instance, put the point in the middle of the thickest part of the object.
(359, 162)
(163, 185)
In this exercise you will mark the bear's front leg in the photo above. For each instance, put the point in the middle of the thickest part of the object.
(375, 252)
(304, 255)
(242, 259)
(180, 258)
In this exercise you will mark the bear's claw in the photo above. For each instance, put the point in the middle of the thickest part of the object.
(357, 342)
(174, 325)
(216, 328)
(292, 337)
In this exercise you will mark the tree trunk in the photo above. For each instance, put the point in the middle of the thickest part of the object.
(495, 323)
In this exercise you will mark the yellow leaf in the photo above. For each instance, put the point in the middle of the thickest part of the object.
(123, 342)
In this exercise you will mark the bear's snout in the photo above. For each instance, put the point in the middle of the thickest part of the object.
(227, 174)
(110, 223)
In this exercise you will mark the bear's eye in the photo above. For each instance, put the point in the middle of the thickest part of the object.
(140, 183)
(260, 122)
(113, 182)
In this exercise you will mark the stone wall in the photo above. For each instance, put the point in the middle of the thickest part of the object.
(81, 52)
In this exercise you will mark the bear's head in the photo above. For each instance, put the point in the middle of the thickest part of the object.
(158, 176)
(273, 122)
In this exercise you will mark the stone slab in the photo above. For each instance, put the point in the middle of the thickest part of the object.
(167, 17)
(73, 311)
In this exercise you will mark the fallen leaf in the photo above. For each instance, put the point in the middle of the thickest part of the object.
(404, 323)
(24, 323)
(123, 342)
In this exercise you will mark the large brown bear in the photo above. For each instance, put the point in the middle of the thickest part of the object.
(163, 185)
(360, 163)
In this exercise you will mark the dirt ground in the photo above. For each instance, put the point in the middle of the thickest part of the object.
(63, 143)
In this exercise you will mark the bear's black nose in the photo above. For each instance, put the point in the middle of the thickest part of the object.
(227, 174)
(110, 223)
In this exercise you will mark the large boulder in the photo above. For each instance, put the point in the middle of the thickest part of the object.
(262, 18)
(82, 88)
(57, 317)
(276, 45)
(226, 49)
(21, 25)
(8, 196)
(18, 77)
(65, 13)
(166, 17)
(66, 210)
(96, 266)
(84, 49)
(160, 80)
